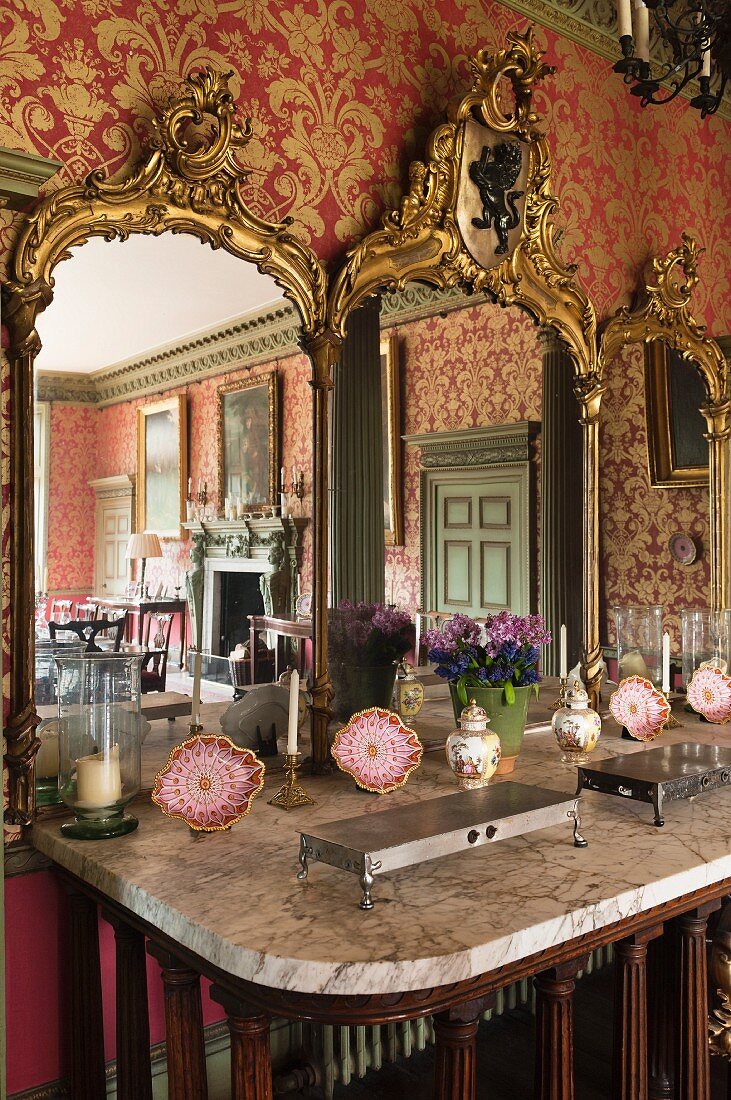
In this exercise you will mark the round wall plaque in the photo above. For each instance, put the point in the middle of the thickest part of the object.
(683, 548)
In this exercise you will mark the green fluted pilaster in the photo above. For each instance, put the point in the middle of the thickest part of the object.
(561, 504)
(356, 524)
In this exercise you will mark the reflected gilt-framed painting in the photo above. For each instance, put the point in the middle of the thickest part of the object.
(162, 449)
(393, 514)
(248, 430)
(674, 392)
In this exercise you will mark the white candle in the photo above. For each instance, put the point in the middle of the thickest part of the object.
(642, 34)
(624, 17)
(666, 663)
(563, 655)
(98, 780)
(195, 709)
(47, 756)
(281, 480)
(294, 703)
(706, 71)
(190, 486)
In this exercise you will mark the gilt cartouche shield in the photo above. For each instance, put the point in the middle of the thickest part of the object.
(491, 193)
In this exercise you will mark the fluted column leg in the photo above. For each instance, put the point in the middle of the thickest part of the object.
(554, 1068)
(183, 1028)
(693, 1076)
(455, 1068)
(134, 1071)
(251, 1064)
(662, 1013)
(88, 1079)
(629, 1055)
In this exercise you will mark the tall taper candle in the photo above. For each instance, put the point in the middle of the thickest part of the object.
(563, 658)
(624, 17)
(294, 703)
(666, 663)
(642, 32)
(195, 710)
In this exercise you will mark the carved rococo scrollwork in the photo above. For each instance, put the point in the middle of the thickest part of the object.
(188, 182)
(662, 312)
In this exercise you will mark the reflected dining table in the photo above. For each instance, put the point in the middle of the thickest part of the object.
(139, 608)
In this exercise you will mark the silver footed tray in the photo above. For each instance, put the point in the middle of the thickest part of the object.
(660, 775)
(378, 842)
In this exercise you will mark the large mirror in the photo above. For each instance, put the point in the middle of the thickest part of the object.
(125, 415)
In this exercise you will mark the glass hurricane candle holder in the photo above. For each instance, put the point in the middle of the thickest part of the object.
(100, 726)
(639, 642)
(706, 638)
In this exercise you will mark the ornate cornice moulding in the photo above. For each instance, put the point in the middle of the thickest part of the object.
(261, 336)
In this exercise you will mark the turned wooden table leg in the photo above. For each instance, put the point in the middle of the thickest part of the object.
(134, 1071)
(629, 1053)
(554, 1069)
(88, 1079)
(251, 1064)
(455, 1071)
(662, 1013)
(693, 1073)
(183, 1027)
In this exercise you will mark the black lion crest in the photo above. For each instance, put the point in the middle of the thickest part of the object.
(494, 174)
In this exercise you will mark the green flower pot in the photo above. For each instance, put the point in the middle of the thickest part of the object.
(358, 687)
(508, 722)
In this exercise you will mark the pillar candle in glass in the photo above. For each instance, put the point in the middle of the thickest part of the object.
(639, 642)
(99, 741)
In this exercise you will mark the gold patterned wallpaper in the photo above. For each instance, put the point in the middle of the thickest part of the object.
(342, 95)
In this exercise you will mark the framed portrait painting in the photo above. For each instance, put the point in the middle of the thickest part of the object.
(674, 391)
(393, 519)
(162, 448)
(248, 440)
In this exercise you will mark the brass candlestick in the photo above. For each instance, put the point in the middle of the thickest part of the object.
(561, 701)
(672, 722)
(290, 794)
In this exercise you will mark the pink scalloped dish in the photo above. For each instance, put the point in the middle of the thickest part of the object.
(208, 782)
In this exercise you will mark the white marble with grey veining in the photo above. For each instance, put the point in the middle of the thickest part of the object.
(234, 899)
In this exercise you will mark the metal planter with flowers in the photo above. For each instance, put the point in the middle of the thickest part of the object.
(495, 663)
(365, 642)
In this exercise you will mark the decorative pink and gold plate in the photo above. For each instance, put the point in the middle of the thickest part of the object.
(709, 693)
(377, 749)
(640, 708)
(208, 782)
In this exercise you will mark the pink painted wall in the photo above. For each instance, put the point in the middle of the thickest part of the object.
(72, 462)
(37, 984)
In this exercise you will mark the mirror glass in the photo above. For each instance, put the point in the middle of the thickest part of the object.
(151, 350)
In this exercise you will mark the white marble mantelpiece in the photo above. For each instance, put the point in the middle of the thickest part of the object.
(234, 898)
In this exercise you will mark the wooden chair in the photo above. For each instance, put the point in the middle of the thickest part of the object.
(155, 663)
(85, 612)
(89, 630)
(61, 610)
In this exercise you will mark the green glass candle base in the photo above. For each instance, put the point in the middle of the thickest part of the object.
(47, 792)
(104, 829)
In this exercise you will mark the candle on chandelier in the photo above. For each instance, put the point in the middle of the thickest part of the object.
(563, 654)
(665, 663)
(642, 35)
(282, 481)
(294, 703)
(624, 17)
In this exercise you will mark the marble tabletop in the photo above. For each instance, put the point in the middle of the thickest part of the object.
(234, 899)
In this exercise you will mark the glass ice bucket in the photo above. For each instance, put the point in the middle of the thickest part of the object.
(639, 642)
(706, 637)
(100, 726)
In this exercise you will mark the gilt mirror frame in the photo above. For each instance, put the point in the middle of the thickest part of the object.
(662, 312)
(180, 186)
(423, 241)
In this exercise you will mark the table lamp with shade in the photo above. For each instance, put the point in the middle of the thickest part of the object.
(143, 545)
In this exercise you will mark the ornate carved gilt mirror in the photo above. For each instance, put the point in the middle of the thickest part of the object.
(478, 216)
(662, 314)
(188, 183)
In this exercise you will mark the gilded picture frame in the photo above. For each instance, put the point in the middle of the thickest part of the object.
(393, 511)
(676, 443)
(162, 466)
(248, 440)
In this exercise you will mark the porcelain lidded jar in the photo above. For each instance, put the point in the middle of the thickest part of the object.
(408, 694)
(473, 751)
(576, 726)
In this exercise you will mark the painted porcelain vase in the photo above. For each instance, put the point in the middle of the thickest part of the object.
(408, 694)
(576, 727)
(507, 720)
(473, 751)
